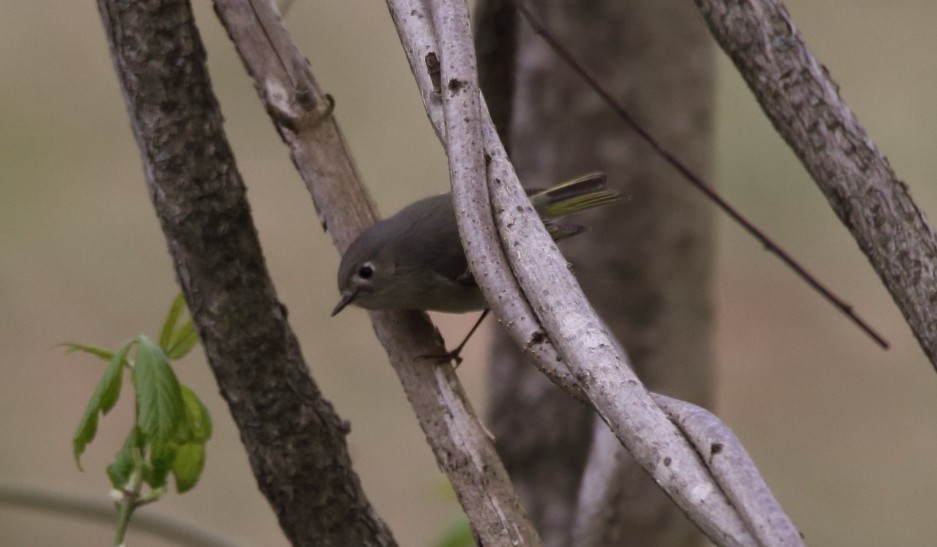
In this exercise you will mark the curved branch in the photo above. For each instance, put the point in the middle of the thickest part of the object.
(599, 369)
(596, 364)
(734, 471)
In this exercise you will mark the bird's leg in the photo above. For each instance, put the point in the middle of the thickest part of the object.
(453, 355)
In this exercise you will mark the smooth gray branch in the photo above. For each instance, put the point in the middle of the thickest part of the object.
(600, 369)
(734, 471)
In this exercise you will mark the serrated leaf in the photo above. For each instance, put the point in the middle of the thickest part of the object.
(71, 347)
(187, 465)
(160, 410)
(197, 416)
(120, 470)
(102, 401)
(182, 341)
(169, 325)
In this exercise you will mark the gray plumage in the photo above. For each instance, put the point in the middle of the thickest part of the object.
(414, 259)
(420, 244)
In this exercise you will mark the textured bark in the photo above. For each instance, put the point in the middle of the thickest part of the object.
(802, 101)
(302, 115)
(294, 440)
(646, 264)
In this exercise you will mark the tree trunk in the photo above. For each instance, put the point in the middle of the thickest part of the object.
(646, 264)
(294, 439)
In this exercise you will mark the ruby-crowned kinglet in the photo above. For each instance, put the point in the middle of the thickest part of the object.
(414, 259)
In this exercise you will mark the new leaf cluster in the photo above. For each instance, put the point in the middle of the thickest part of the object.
(172, 425)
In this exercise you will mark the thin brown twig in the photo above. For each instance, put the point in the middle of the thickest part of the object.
(696, 181)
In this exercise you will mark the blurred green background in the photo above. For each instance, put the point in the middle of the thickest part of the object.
(844, 433)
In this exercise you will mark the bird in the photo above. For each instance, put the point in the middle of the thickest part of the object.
(414, 259)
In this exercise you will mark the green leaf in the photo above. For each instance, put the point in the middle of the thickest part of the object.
(199, 422)
(120, 471)
(187, 465)
(169, 325)
(182, 341)
(160, 410)
(71, 347)
(102, 401)
(156, 472)
(459, 534)
(113, 375)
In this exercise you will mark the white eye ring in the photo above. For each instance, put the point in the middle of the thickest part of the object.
(366, 271)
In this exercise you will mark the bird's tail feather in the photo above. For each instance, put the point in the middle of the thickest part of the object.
(579, 194)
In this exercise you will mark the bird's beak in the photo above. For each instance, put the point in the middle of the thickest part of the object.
(347, 298)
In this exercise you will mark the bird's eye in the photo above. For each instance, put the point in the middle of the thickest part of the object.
(366, 271)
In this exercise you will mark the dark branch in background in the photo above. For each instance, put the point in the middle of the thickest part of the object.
(801, 100)
(95, 510)
(294, 440)
(459, 442)
(694, 180)
(496, 48)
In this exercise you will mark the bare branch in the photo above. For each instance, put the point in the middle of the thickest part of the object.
(603, 480)
(798, 95)
(599, 368)
(462, 448)
(734, 470)
(596, 363)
